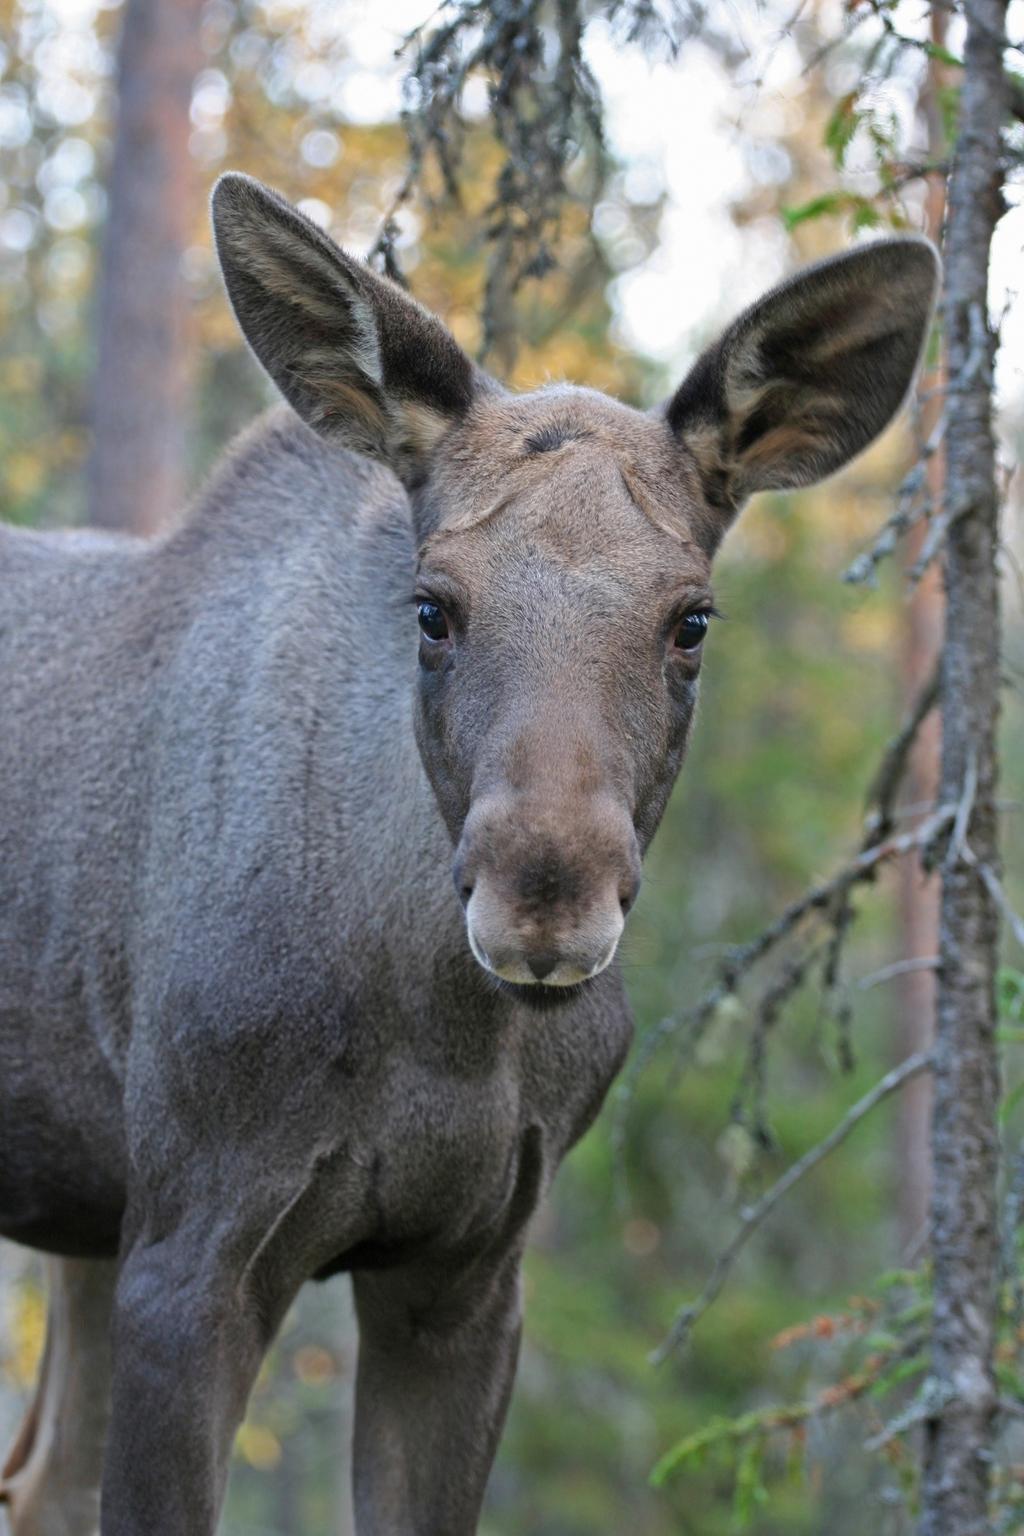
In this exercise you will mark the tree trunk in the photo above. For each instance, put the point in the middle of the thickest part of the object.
(921, 644)
(958, 1431)
(136, 471)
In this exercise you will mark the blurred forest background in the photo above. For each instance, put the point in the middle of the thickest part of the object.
(732, 152)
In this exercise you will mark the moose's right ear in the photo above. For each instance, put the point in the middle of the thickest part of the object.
(807, 376)
(360, 361)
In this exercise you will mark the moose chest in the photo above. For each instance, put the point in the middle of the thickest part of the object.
(398, 1127)
(465, 1118)
(457, 1120)
(438, 1132)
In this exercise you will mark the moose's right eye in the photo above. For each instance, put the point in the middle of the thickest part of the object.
(433, 621)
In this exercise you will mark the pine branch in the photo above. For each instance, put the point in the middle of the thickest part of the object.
(754, 1215)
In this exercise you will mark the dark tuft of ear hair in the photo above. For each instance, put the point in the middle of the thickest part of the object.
(810, 374)
(359, 360)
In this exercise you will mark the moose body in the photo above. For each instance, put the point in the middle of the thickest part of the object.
(228, 842)
(251, 1029)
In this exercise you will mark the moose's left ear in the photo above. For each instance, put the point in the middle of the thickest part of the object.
(811, 373)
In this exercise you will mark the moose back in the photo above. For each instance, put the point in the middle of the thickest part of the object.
(320, 820)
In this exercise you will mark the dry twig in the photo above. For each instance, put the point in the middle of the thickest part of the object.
(826, 899)
(754, 1215)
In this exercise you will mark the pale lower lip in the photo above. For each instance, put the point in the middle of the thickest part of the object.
(559, 977)
(522, 976)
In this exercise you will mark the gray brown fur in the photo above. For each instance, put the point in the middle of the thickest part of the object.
(243, 1039)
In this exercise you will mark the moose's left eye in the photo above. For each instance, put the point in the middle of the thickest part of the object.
(690, 631)
(433, 621)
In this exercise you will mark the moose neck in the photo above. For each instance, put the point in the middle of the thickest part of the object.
(285, 599)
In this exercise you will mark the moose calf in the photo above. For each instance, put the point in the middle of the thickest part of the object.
(308, 923)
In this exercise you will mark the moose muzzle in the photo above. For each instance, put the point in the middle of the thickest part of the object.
(546, 886)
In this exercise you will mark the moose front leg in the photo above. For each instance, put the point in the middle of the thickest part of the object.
(437, 1354)
(189, 1334)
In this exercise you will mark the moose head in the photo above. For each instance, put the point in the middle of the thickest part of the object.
(563, 582)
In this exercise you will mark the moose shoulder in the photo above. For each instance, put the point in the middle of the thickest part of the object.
(307, 924)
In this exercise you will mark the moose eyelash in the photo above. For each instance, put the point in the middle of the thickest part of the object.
(454, 606)
(684, 610)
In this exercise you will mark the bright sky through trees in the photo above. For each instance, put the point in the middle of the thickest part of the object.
(684, 131)
(700, 132)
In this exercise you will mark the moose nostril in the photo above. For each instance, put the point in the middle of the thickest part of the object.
(463, 876)
(627, 896)
(542, 965)
(463, 881)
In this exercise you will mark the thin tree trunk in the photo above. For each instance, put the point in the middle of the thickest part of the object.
(919, 652)
(136, 470)
(958, 1432)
